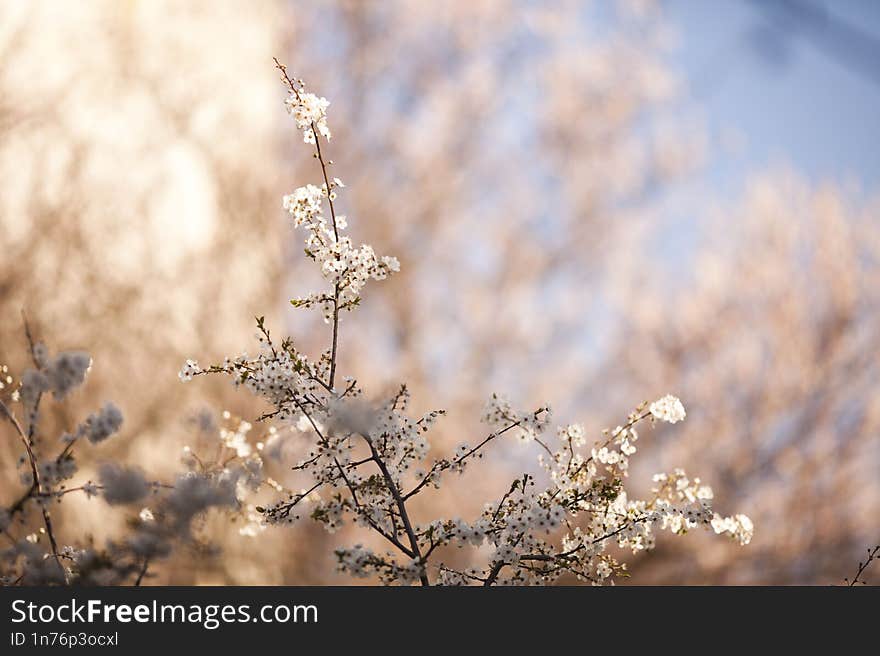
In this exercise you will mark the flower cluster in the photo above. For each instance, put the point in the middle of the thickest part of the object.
(668, 409)
(309, 111)
(740, 527)
(59, 375)
(566, 528)
(499, 414)
(99, 425)
(122, 485)
(37, 555)
(365, 461)
(344, 266)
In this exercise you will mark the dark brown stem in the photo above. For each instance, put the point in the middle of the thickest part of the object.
(142, 572)
(873, 554)
(401, 508)
(493, 573)
(36, 485)
(351, 489)
(18, 506)
(335, 340)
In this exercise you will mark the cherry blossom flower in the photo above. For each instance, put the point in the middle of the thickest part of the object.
(668, 409)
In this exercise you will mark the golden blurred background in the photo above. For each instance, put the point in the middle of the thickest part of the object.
(517, 158)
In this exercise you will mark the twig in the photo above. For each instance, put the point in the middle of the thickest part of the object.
(443, 465)
(401, 508)
(36, 484)
(351, 489)
(873, 554)
(143, 572)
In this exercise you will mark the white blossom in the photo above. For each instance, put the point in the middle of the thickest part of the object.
(739, 527)
(189, 369)
(668, 409)
(309, 111)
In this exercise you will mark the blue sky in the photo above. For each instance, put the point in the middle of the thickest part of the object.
(782, 89)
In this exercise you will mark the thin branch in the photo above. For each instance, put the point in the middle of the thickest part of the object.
(873, 554)
(335, 339)
(614, 434)
(443, 465)
(564, 556)
(142, 572)
(351, 489)
(37, 484)
(401, 508)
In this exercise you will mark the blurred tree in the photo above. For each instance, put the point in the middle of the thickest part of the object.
(772, 340)
(511, 154)
(139, 216)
